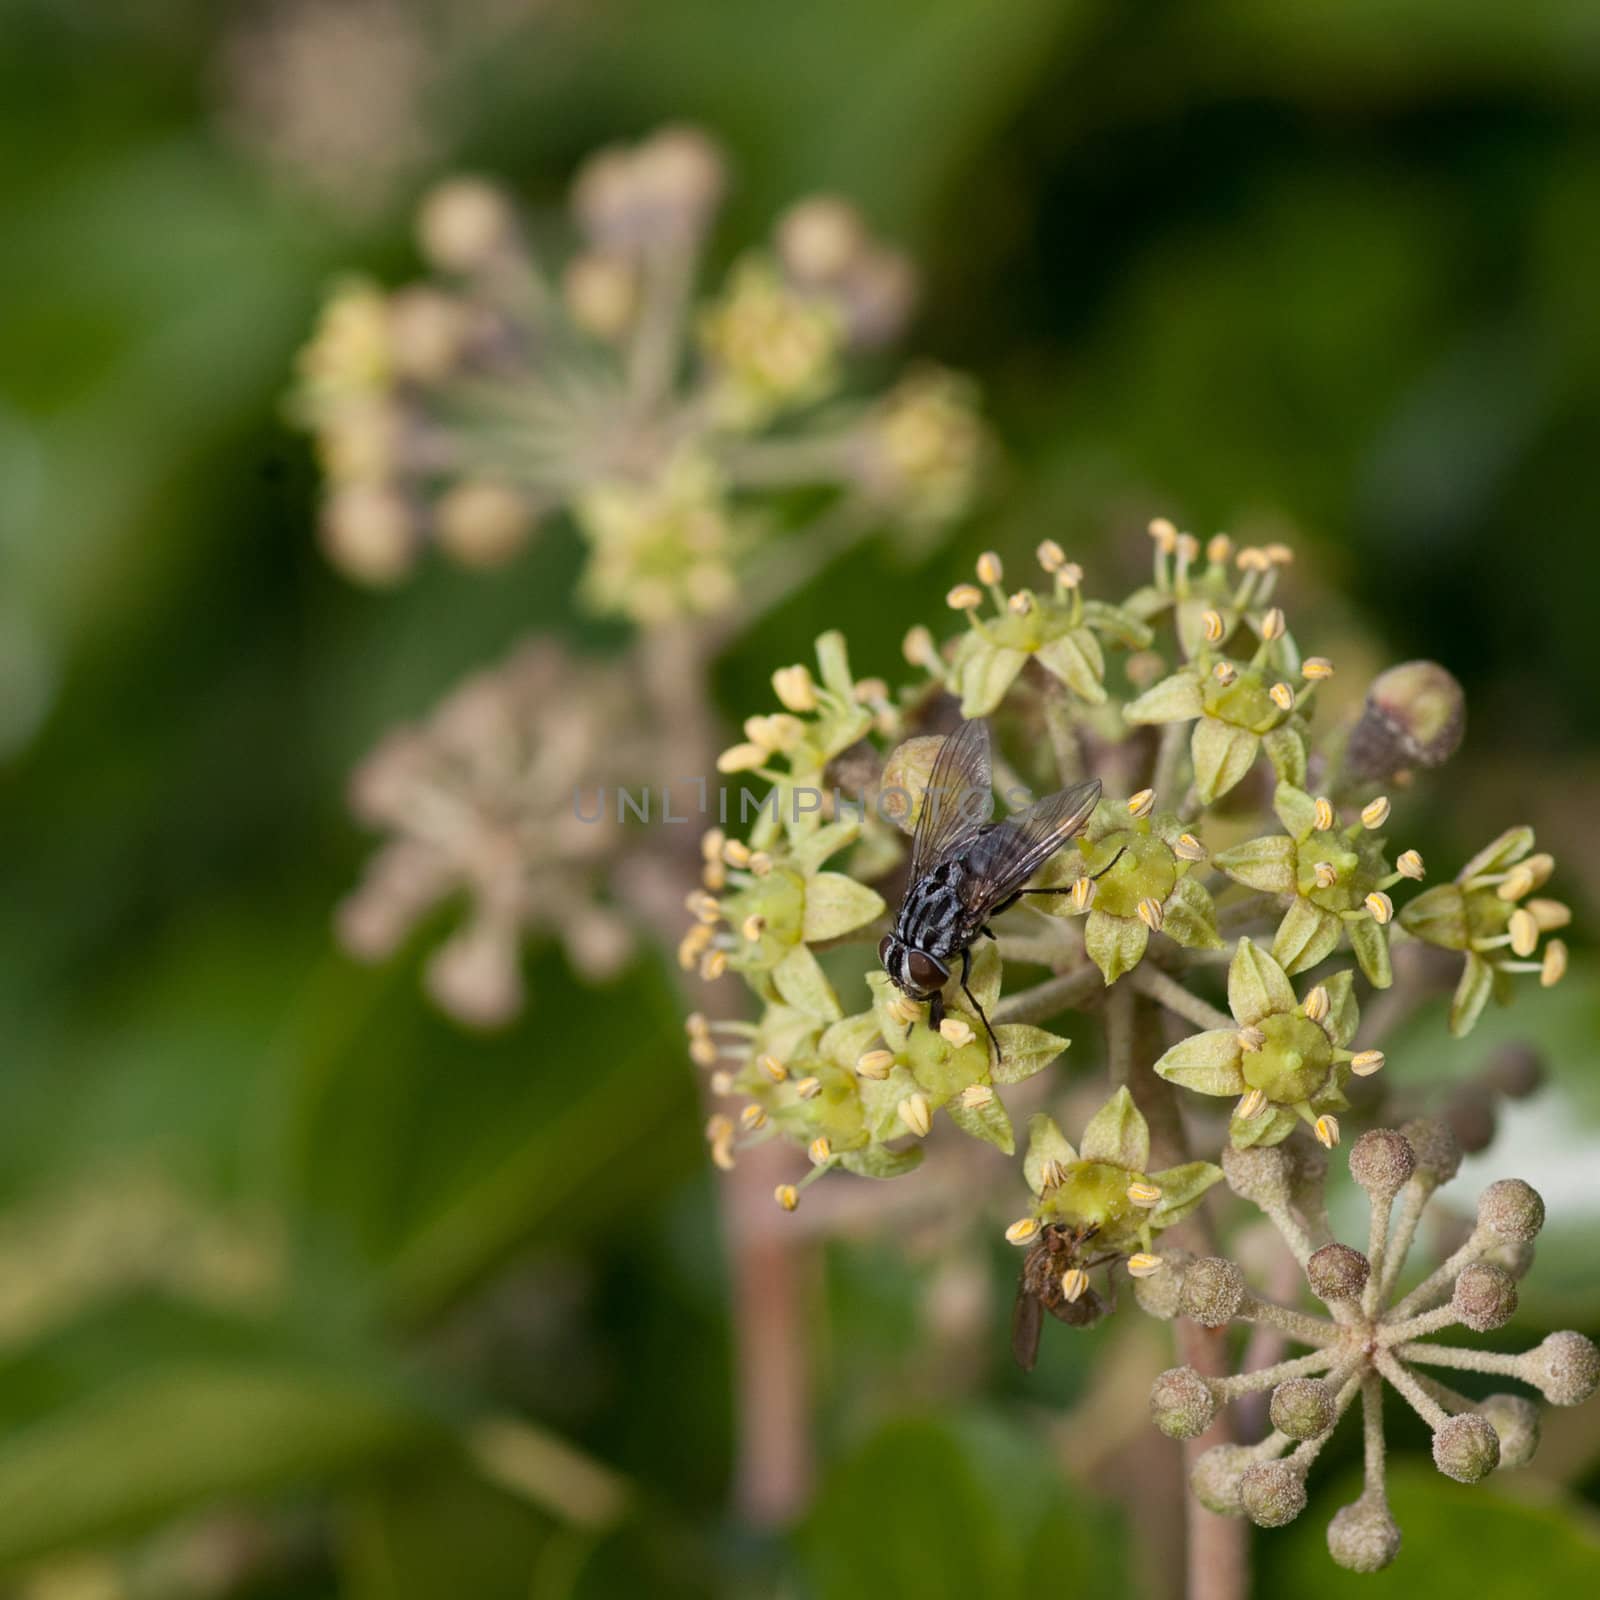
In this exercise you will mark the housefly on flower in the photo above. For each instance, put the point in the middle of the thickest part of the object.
(966, 869)
(1054, 1279)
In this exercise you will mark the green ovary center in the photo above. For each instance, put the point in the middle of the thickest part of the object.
(1146, 871)
(1095, 1193)
(1292, 1064)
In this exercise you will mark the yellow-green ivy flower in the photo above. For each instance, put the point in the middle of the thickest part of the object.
(1492, 913)
(1287, 1059)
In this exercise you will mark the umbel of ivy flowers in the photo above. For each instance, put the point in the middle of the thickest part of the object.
(1368, 1336)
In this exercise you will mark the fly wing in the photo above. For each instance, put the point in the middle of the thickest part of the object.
(959, 798)
(1027, 1322)
(1010, 852)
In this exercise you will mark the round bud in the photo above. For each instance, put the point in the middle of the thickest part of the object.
(679, 174)
(1566, 1368)
(1414, 716)
(427, 333)
(1381, 1161)
(1515, 1071)
(1511, 1210)
(464, 223)
(1261, 1176)
(1181, 1403)
(1485, 1297)
(1160, 1294)
(1303, 1408)
(1337, 1272)
(1516, 1419)
(1215, 1478)
(1466, 1448)
(819, 239)
(1272, 1493)
(1213, 1291)
(369, 533)
(482, 523)
(1363, 1537)
(1470, 1114)
(1437, 1151)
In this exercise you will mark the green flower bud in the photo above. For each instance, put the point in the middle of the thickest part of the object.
(1466, 1448)
(1511, 1210)
(1303, 1408)
(1566, 1368)
(1414, 716)
(1213, 1291)
(1160, 1295)
(1273, 1493)
(1363, 1536)
(1485, 1297)
(1216, 1478)
(1181, 1403)
(1261, 1176)
(1382, 1162)
(1435, 1147)
(1514, 1070)
(1516, 1419)
(1337, 1272)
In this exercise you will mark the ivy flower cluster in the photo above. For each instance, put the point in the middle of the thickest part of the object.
(1238, 851)
(462, 411)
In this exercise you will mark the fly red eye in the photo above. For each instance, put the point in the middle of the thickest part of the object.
(925, 972)
(885, 945)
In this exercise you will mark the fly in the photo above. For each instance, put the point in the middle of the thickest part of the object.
(966, 869)
(1053, 1258)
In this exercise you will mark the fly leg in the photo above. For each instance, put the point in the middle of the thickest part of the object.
(936, 1004)
(966, 968)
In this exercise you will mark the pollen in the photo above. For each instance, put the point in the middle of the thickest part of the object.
(1141, 1264)
(753, 1117)
(703, 907)
(1219, 548)
(1022, 1230)
(1517, 882)
(1225, 673)
(787, 1196)
(1189, 848)
(1151, 914)
(1282, 696)
(795, 688)
(916, 1114)
(1164, 534)
(808, 1088)
(1524, 931)
(1550, 914)
(774, 1068)
(1074, 1282)
(1251, 558)
(693, 945)
(713, 964)
(760, 863)
(820, 1151)
(1212, 627)
(955, 1032)
(1554, 966)
(1366, 1062)
(904, 1010)
(1083, 892)
(1251, 1104)
(964, 597)
(875, 1064)
(718, 1128)
(1317, 1004)
(741, 758)
(1142, 803)
(712, 843)
(918, 647)
(1375, 812)
(990, 569)
(1051, 1175)
(1280, 555)
(1274, 624)
(1409, 865)
(976, 1096)
(1021, 603)
(1380, 906)
(1326, 1128)
(872, 691)
(1144, 1195)
(737, 853)
(1050, 555)
(753, 927)
(1188, 547)
(1324, 818)
(703, 1051)
(1314, 669)
(721, 1083)
(1070, 576)
(1325, 874)
(1251, 1038)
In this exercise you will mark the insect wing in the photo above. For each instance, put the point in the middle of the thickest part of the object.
(1013, 850)
(958, 800)
(1027, 1322)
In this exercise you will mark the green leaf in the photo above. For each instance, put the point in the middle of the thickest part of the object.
(1472, 994)
(987, 1122)
(1257, 986)
(1117, 623)
(1295, 809)
(1270, 1128)
(1117, 1133)
(1206, 1062)
(846, 1041)
(836, 904)
(1046, 1142)
(1182, 1189)
(1222, 755)
(1025, 1050)
(1370, 941)
(1344, 1015)
(801, 983)
(1308, 934)
(1286, 750)
(1191, 916)
(984, 672)
(1266, 863)
(1075, 658)
(1115, 944)
(1174, 699)
(879, 1161)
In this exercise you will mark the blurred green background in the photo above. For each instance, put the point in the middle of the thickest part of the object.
(276, 1241)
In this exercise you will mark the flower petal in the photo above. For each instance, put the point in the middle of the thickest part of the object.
(1190, 916)
(1222, 755)
(1267, 863)
(1076, 659)
(1307, 935)
(984, 672)
(988, 1122)
(1024, 1050)
(1472, 994)
(1117, 1133)
(1115, 944)
(835, 904)
(1257, 986)
(1206, 1062)
(1370, 941)
(1046, 1142)
(1182, 1189)
(1174, 699)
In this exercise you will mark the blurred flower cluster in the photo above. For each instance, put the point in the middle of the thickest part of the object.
(691, 439)
(1249, 863)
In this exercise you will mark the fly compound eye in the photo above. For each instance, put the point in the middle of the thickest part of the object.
(885, 945)
(925, 972)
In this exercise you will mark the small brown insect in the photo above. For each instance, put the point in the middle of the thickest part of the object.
(1055, 1252)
